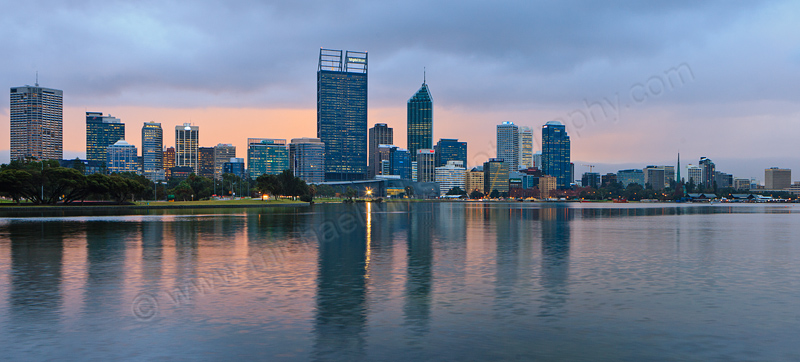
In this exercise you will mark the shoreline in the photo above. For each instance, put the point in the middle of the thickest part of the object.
(144, 207)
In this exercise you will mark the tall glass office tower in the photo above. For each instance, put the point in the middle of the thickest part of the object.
(101, 132)
(37, 123)
(152, 154)
(508, 144)
(342, 113)
(420, 120)
(556, 153)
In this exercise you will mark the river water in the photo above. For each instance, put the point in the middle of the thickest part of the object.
(405, 281)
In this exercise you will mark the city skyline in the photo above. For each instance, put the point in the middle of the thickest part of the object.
(519, 72)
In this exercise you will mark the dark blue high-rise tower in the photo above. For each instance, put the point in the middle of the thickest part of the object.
(420, 120)
(342, 113)
(555, 153)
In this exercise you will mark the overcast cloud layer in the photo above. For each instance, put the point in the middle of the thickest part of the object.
(716, 79)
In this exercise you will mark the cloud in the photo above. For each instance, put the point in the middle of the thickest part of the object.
(254, 54)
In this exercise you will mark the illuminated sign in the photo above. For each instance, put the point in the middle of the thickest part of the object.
(356, 60)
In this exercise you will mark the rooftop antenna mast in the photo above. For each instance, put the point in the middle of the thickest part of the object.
(424, 75)
(37, 78)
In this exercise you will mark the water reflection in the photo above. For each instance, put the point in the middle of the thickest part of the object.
(416, 309)
(555, 223)
(36, 293)
(397, 281)
(341, 312)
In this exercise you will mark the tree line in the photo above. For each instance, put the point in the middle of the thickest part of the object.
(46, 182)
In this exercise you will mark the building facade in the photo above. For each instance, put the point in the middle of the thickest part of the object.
(508, 144)
(122, 157)
(426, 165)
(36, 117)
(307, 159)
(654, 176)
(101, 132)
(451, 175)
(342, 113)
(548, 184)
(474, 181)
(380, 134)
(495, 176)
(777, 178)
(187, 138)
(694, 174)
(205, 161)
(223, 152)
(234, 166)
(556, 153)
(631, 176)
(525, 147)
(169, 161)
(450, 149)
(152, 154)
(420, 120)
(266, 156)
(708, 169)
(591, 179)
(400, 163)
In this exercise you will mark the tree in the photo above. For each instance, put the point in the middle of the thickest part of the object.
(269, 184)
(13, 182)
(494, 194)
(350, 193)
(456, 191)
(475, 194)
(410, 191)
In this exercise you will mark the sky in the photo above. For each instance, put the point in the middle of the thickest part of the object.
(635, 83)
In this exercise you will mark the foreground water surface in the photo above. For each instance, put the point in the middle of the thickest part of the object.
(405, 281)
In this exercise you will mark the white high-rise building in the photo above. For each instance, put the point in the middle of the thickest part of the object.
(36, 123)
(525, 147)
(508, 144)
(451, 175)
(187, 139)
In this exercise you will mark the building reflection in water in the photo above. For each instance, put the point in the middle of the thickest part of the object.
(417, 306)
(105, 265)
(341, 313)
(36, 292)
(555, 223)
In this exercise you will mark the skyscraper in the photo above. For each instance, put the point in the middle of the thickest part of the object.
(525, 147)
(426, 165)
(36, 123)
(708, 168)
(449, 149)
(342, 113)
(307, 159)
(420, 120)
(152, 154)
(556, 153)
(101, 132)
(777, 178)
(508, 144)
(205, 161)
(381, 134)
(169, 161)
(266, 156)
(186, 143)
(223, 152)
(495, 176)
